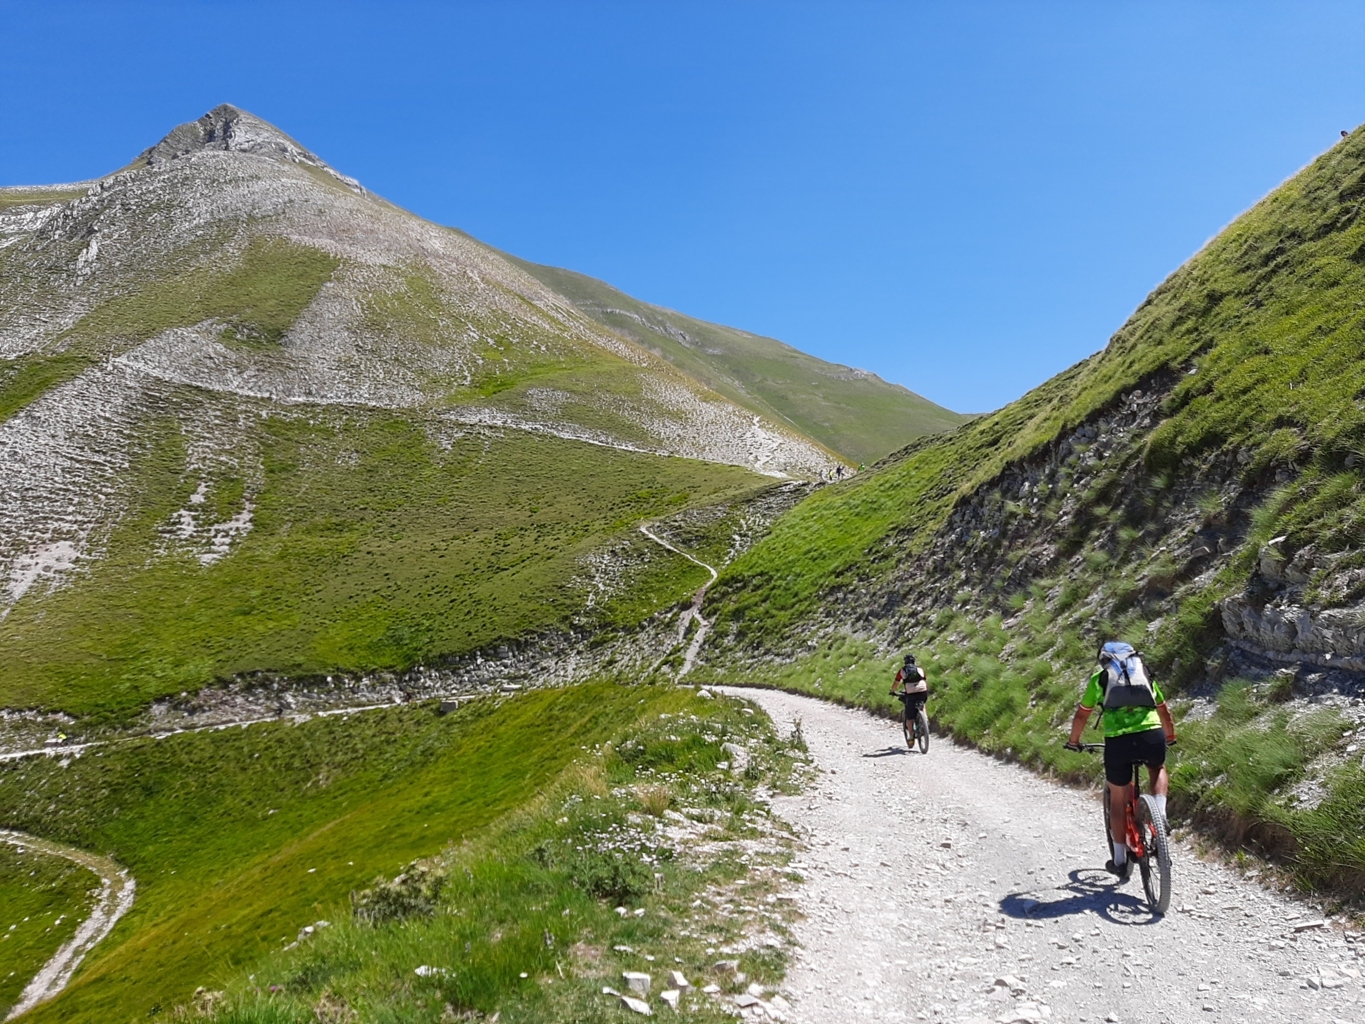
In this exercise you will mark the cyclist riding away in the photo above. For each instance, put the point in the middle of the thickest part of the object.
(912, 680)
(1137, 729)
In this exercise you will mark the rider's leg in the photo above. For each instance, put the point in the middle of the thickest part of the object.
(1118, 815)
(1161, 785)
(1159, 778)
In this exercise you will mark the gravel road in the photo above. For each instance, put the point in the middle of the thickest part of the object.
(953, 888)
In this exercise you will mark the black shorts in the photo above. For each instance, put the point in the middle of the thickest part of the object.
(1121, 753)
(917, 700)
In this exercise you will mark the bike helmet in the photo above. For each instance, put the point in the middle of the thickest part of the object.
(909, 659)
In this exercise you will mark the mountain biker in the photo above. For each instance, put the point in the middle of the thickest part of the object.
(913, 682)
(1137, 729)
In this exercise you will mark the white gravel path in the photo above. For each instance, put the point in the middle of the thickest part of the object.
(115, 899)
(929, 877)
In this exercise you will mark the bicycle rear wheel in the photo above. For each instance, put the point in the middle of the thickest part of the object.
(1156, 865)
(908, 726)
(922, 727)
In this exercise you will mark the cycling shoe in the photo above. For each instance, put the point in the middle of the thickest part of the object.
(1121, 871)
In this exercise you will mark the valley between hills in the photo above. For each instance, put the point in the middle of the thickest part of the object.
(367, 592)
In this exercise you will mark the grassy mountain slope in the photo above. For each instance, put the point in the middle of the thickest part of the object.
(239, 838)
(1196, 487)
(372, 545)
(254, 419)
(850, 411)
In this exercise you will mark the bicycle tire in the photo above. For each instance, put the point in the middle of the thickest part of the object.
(922, 727)
(907, 725)
(1156, 866)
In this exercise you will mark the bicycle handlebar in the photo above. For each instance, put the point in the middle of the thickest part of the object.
(1091, 748)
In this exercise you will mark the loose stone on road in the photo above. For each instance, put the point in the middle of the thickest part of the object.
(951, 887)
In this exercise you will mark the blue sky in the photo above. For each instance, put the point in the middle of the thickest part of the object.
(962, 197)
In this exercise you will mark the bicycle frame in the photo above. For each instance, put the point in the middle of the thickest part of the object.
(1143, 825)
(1133, 834)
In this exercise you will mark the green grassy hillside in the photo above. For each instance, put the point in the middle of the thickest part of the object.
(239, 838)
(42, 900)
(852, 412)
(1203, 472)
(372, 546)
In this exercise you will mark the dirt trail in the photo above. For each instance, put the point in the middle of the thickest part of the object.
(115, 899)
(950, 887)
(694, 611)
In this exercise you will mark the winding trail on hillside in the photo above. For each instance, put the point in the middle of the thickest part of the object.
(694, 611)
(954, 888)
(115, 899)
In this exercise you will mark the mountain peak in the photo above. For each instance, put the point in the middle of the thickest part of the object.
(231, 129)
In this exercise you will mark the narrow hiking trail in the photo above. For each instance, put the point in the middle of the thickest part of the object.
(694, 611)
(951, 887)
(114, 900)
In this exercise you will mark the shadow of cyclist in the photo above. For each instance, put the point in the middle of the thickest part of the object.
(887, 752)
(1087, 889)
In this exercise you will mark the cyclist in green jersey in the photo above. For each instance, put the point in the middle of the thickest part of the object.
(1137, 729)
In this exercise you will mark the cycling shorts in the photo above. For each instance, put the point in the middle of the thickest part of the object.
(1121, 753)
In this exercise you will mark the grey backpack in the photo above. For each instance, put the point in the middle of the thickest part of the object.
(1125, 681)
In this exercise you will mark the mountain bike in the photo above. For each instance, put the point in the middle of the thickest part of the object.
(914, 724)
(1146, 832)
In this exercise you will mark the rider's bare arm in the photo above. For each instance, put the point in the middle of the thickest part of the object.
(1167, 722)
(1078, 723)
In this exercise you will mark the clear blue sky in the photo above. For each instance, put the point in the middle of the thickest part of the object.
(962, 197)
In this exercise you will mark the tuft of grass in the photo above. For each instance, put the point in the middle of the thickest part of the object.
(655, 799)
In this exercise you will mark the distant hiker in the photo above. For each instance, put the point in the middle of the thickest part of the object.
(912, 680)
(1344, 134)
(1137, 730)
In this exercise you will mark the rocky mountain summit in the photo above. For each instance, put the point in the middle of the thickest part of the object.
(230, 130)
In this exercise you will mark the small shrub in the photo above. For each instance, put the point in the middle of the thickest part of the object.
(608, 874)
(414, 892)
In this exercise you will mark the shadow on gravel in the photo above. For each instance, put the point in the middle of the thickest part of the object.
(1088, 889)
(887, 752)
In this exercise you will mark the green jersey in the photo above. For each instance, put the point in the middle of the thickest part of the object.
(1122, 721)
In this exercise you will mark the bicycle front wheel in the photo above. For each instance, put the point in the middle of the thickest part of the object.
(1156, 865)
(922, 727)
